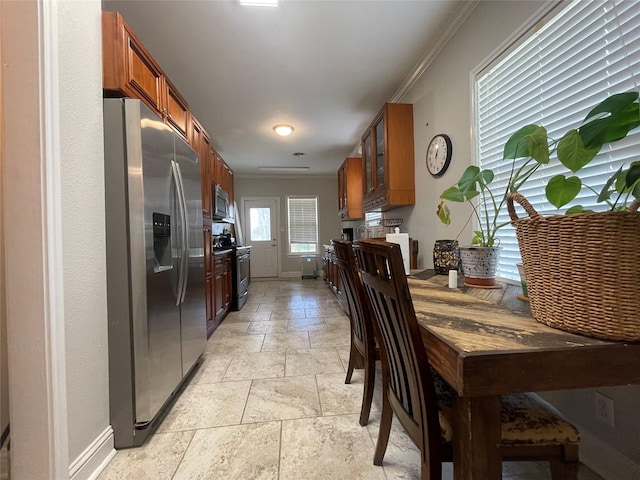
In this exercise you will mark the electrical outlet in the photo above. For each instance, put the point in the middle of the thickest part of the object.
(604, 409)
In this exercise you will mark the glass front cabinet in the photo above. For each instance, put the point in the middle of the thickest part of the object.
(388, 155)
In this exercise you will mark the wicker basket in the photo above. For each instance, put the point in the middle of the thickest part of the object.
(583, 270)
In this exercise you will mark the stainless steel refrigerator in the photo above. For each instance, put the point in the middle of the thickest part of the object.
(155, 266)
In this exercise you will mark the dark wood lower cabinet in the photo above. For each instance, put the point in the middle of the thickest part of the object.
(208, 295)
(332, 277)
(221, 289)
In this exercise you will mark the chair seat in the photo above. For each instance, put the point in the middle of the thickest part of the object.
(526, 419)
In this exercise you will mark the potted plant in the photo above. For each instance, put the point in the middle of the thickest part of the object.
(582, 267)
(528, 149)
(480, 259)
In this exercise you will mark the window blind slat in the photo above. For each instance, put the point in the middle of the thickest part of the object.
(303, 224)
(583, 54)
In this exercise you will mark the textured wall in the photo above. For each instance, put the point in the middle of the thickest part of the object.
(81, 148)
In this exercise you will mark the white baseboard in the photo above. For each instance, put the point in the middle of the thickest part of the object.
(605, 460)
(94, 459)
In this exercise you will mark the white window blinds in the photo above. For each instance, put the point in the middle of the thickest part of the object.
(585, 53)
(303, 224)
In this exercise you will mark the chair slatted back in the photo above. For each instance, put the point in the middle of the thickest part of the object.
(409, 376)
(361, 317)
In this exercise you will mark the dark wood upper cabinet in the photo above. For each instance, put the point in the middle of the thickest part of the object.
(388, 155)
(129, 70)
(350, 189)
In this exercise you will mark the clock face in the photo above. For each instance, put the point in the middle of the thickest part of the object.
(439, 154)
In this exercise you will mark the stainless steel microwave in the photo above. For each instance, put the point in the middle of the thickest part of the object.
(220, 199)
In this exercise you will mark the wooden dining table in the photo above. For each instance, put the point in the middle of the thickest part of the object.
(485, 344)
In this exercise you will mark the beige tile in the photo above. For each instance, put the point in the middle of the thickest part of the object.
(285, 341)
(235, 452)
(337, 321)
(338, 398)
(227, 329)
(313, 361)
(213, 368)
(327, 448)
(237, 344)
(208, 405)
(249, 307)
(277, 326)
(344, 351)
(247, 366)
(299, 324)
(255, 316)
(331, 311)
(286, 314)
(157, 459)
(330, 338)
(282, 398)
(402, 458)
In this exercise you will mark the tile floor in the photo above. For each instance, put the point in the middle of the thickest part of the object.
(269, 402)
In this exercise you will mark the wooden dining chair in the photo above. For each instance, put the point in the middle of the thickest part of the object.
(363, 349)
(422, 401)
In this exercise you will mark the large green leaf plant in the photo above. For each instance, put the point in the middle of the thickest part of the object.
(530, 147)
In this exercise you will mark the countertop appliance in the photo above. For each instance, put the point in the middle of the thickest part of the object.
(155, 266)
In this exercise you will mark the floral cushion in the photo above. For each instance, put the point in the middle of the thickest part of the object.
(526, 419)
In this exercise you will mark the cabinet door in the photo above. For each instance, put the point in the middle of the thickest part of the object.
(195, 140)
(227, 285)
(142, 75)
(177, 110)
(207, 157)
(366, 153)
(380, 151)
(206, 232)
(219, 294)
(218, 170)
(208, 295)
(342, 188)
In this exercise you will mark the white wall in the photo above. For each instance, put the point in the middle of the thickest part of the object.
(327, 191)
(442, 99)
(83, 229)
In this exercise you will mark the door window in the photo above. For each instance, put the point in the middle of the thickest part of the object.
(260, 222)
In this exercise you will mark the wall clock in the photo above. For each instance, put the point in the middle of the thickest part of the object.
(439, 154)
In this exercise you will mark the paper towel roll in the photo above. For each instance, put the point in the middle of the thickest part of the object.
(403, 240)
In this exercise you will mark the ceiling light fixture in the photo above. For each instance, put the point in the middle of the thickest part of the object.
(283, 169)
(259, 3)
(283, 129)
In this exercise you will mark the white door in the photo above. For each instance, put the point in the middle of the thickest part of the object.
(261, 232)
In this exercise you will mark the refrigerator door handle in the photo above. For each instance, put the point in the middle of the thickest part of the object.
(181, 280)
(185, 236)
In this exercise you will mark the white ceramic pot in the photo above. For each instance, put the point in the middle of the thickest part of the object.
(479, 264)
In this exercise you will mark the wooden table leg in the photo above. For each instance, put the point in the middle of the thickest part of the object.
(477, 432)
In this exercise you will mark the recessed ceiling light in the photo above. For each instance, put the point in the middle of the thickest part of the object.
(259, 3)
(283, 129)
